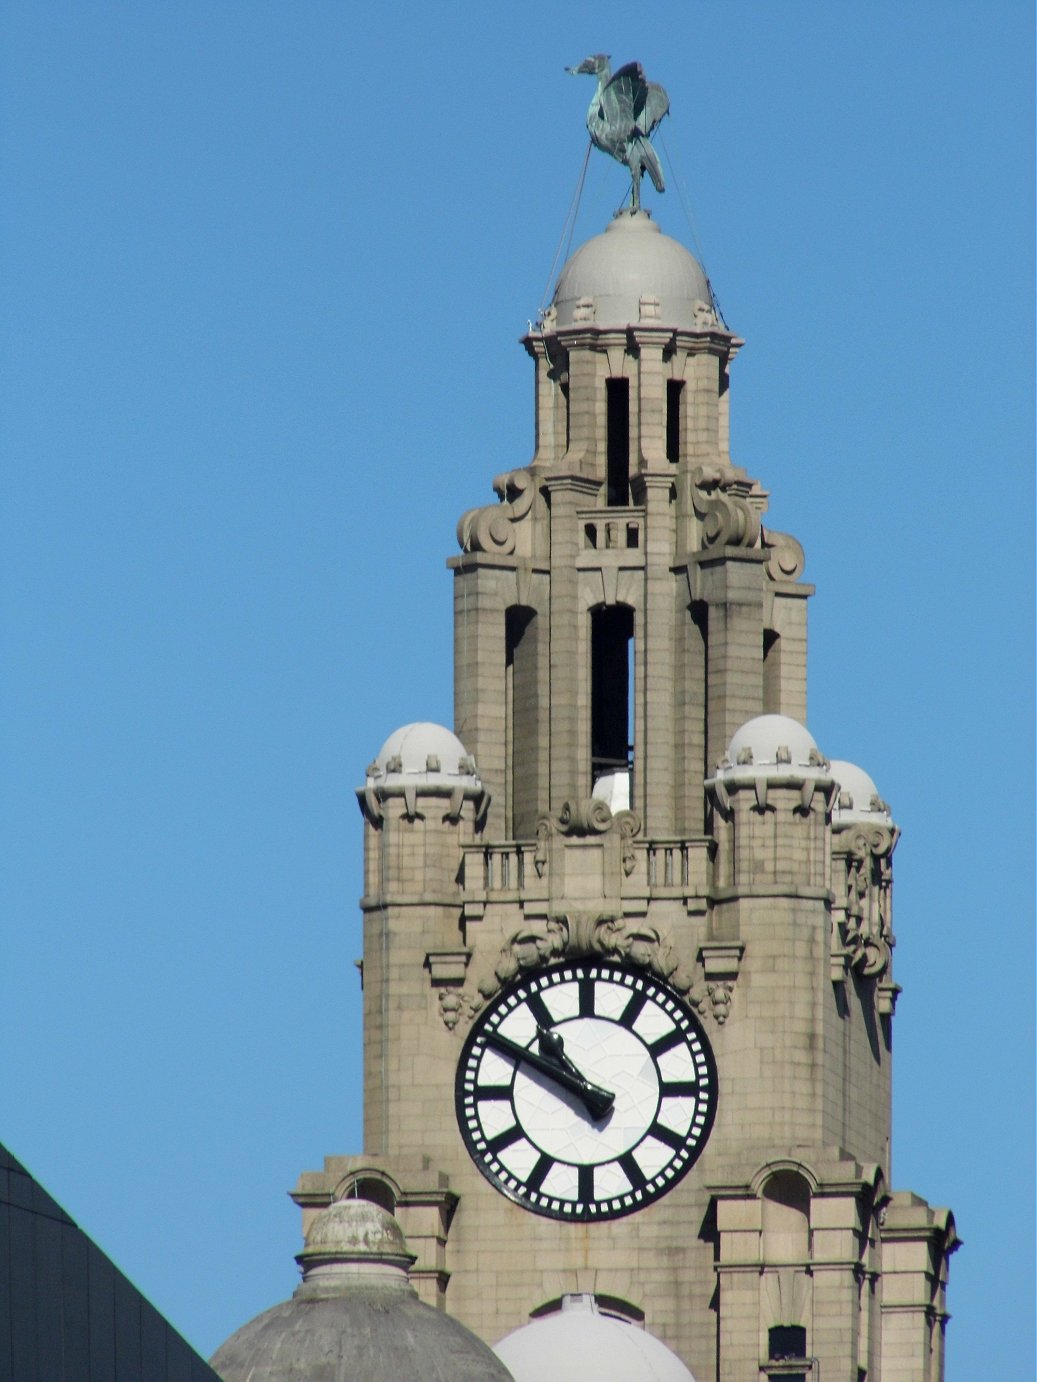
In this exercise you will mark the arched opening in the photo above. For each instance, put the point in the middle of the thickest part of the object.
(674, 402)
(771, 672)
(374, 1190)
(617, 441)
(612, 1306)
(787, 1343)
(612, 673)
(521, 719)
(786, 1218)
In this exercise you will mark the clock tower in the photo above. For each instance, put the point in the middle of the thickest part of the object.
(627, 957)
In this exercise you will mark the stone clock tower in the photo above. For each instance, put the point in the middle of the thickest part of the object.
(627, 963)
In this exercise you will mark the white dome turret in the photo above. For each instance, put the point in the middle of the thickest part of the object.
(858, 798)
(581, 1344)
(423, 753)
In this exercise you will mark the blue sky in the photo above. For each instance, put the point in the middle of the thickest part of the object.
(265, 271)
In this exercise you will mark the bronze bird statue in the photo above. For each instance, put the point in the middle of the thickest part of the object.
(623, 114)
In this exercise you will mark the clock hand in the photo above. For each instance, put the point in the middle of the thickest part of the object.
(596, 1101)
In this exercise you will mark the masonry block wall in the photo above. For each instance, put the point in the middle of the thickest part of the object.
(722, 853)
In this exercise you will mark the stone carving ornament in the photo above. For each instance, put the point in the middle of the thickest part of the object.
(492, 529)
(587, 817)
(719, 495)
(867, 925)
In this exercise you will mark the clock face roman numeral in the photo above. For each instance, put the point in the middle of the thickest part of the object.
(586, 996)
(504, 1139)
(540, 1171)
(632, 1011)
(674, 1089)
(666, 1043)
(632, 1171)
(661, 1133)
(538, 1008)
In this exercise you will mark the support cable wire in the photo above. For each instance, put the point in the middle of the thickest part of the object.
(568, 230)
(682, 192)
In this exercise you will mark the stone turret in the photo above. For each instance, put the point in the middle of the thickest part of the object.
(653, 859)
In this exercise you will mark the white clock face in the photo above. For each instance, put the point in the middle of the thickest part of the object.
(586, 1091)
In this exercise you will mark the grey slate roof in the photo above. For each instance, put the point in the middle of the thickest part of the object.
(65, 1310)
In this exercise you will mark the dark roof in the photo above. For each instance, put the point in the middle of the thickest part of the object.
(65, 1310)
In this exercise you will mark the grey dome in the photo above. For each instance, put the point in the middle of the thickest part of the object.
(606, 279)
(355, 1317)
(581, 1345)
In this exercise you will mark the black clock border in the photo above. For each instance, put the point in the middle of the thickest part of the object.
(583, 1213)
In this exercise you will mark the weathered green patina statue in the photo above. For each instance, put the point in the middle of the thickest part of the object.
(625, 110)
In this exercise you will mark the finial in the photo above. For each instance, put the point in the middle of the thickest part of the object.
(625, 111)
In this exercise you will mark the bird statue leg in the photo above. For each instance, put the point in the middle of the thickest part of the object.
(635, 187)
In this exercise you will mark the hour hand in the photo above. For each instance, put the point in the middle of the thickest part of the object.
(596, 1101)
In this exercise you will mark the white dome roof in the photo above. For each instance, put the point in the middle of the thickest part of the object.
(774, 742)
(421, 753)
(858, 798)
(632, 260)
(581, 1345)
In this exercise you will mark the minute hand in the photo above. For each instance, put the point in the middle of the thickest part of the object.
(596, 1101)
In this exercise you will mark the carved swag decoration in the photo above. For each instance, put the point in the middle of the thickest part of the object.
(589, 935)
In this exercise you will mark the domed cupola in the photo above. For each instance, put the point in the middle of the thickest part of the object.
(355, 1317)
(421, 759)
(581, 1344)
(633, 273)
(858, 799)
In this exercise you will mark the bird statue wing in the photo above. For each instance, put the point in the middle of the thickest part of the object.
(657, 104)
(632, 103)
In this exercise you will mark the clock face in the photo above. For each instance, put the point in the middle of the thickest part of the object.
(586, 1091)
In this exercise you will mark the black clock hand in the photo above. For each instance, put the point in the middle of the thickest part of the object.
(552, 1046)
(596, 1101)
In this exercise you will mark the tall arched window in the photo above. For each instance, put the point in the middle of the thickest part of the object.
(612, 669)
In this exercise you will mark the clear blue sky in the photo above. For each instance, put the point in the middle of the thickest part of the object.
(265, 268)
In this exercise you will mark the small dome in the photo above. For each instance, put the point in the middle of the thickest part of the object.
(775, 742)
(858, 798)
(355, 1231)
(630, 262)
(356, 1317)
(421, 753)
(582, 1345)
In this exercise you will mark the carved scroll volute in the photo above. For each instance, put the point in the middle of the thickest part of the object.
(728, 520)
(785, 557)
(493, 528)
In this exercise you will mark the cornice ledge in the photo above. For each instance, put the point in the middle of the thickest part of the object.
(719, 896)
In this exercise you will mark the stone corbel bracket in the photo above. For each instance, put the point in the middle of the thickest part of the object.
(721, 962)
(492, 528)
(810, 784)
(373, 796)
